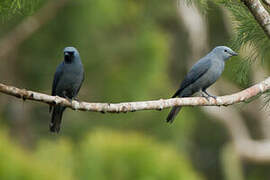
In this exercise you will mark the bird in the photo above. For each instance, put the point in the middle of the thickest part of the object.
(202, 75)
(67, 82)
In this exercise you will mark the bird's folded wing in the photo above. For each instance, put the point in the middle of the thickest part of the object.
(57, 76)
(197, 71)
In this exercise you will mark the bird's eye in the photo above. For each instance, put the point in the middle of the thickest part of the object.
(225, 50)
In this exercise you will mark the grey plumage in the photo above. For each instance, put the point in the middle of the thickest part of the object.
(67, 82)
(202, 75)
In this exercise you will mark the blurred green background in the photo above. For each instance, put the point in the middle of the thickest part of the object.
(132, 50)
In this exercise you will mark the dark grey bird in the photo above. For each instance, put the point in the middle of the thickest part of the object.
(202, 75)
(67, 82)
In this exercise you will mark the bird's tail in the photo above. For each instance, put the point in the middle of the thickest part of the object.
(56, 118)
(173, 113)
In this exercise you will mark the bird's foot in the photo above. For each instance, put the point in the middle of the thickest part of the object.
(206, 95)
(66, 97)
(75, 105)
(69, 99)
(76, 99)
(212, 96)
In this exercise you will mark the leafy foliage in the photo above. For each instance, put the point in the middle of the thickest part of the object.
(17, 163)
(9, 8)
(102, 155)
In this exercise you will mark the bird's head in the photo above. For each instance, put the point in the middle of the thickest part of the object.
(224, 52)
(70, 53)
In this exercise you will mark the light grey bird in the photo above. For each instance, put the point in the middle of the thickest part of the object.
(202, 75)
(67, 82)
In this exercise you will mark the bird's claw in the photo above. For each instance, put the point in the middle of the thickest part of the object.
(212, 96)
(67, 98)
(207, 96)
(76, 99)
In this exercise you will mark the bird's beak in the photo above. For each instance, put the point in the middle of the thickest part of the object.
(234, 54)
(66, 54)
(67, 57)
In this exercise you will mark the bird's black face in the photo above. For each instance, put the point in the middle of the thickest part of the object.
(69, 55)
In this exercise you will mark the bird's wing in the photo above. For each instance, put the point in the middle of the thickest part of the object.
(80, 84)
(57, 76)
(199, 69)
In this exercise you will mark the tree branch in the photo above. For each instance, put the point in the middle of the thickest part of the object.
(260, 14)
(245, 146)
(241, 96)
(267, 2)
